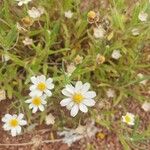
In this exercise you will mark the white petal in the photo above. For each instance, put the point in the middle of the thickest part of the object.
(70, 88)
(41, 78)
(89, 102)
(6, 127)
(34, 109)
(49, 80)
(32, 87)
(66, 93)
(31, 106)
(74, 110)
(65, 101)
(44, 96)
(13, 132)
(22, 122)
(85, 87)
(90, 94)
(78, 85)
(83, 108)
(41, 107)
(35, 93)
(48, 92)
(28, 101)
(44, 102)
(20, 116)
(6, 118)
(18, 129)
(49, 85)
(34, 80)
(70, 105)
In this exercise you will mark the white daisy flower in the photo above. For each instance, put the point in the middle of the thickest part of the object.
(99, 32)
(37, 102)
(68, 14)
(21, 2)
(41, 85)
(27, 41)
(143, 16)
(146, 106)
(116, 54)
(78, 98)
(110, 93)
(35, 12)
(129, 118)
(13, 123)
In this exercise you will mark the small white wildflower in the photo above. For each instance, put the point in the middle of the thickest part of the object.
(129, 118)
(110, 93)
(2, 95)
(13, 123)
(21, 2)
(70, 69)
(37, 102)
(99, 32)
(68, 14)
(5, 58)
(146, 106)
(78, 98)
(41, 85)
(140, 76)
(27, 41)
(35, 12)
(116, 54)
(50, 119)
(143, 16)
(135, 31)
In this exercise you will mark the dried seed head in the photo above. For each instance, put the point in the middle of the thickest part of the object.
(92, 17)
(100, 59)
(78, 59)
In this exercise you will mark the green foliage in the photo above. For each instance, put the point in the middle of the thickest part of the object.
(58, 40)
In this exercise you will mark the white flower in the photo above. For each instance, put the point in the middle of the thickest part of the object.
(116, 54)
(146, 106)
(68, 14)
(110, 93)
(135, 31)
(99, 32)
(5, 58)
(41, 85)
(128, 118)
(13, 123)
(143, 16)
(21, 2)
(140, 76)
(27, 41)
(35, 12)
(78, 98)
(37, 102)
(50, 119)
(2, 95)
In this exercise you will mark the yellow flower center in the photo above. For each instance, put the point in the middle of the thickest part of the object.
(91, 15)
(78, 98)
(128, 119)
(41, 86)
(36, 101)
(14, 123)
